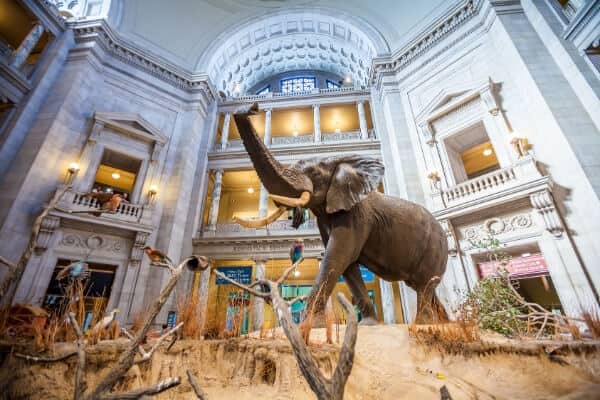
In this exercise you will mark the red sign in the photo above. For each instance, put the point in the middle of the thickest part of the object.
(532, 265)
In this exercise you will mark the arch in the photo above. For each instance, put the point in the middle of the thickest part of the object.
(293, 39)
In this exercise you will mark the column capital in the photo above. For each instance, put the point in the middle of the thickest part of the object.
(218, 170)
(316, 105)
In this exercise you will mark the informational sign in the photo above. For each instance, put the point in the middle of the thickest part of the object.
(366, 274)
(240, 274)
(172, 319)
(532, 265)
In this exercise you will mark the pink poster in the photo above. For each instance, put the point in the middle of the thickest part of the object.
(532, 265)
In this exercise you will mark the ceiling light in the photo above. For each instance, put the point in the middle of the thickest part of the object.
(250, 190)
(115, 175)
(296, 273)
(487, 152)
(295, 133)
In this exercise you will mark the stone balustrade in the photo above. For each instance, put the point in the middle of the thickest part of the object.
(126, 212)
(520, 173)
(271, 95)
(279, 227)
(292, 140)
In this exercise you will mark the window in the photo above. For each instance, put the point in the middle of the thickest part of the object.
(332, 84)
(264, 90)
(297, 85)
(116, 173)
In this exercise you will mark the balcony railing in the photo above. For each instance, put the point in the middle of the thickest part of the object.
(271, 95)
(126, 212)
(521, 172)
(302, 140)
(278, 227)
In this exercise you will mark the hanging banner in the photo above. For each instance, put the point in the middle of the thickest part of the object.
(366, 274)
(533, 265)
(240, 274)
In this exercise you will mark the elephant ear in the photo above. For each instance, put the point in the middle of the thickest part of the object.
(353, 179)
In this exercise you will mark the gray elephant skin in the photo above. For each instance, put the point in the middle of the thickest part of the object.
(396, 239)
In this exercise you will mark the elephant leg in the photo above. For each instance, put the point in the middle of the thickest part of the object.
(361, 295)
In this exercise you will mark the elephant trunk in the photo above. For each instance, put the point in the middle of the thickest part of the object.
(276, 178)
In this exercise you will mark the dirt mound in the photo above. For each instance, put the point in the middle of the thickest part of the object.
(388, 365)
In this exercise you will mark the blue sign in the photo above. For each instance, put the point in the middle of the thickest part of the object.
(171, 319)
(237, 273)
(366, 274)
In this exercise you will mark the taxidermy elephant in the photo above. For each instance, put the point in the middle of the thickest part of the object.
(396, 239)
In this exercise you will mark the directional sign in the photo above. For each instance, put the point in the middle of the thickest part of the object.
(240, 274)
(366, 274)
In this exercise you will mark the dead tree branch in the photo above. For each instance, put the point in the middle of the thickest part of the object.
(80, 383)
(146, 355)
(8, 287)
(45, 359)
(200, 394)
(4, 261)
(145, 391)
(324, 388)
(127, 359)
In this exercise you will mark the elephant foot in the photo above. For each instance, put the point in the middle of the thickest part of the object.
(368, 321)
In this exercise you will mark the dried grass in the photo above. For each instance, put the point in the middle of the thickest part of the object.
(592, 321)
(190, 313)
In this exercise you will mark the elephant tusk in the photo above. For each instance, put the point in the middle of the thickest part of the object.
(260, 222)
(301, 201)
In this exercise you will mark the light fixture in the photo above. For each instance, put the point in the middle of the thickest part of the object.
(116, 175)
(295, 133)
(73, 167)
(296, 273)
(337, 130)
(487, 152)
(347, 79)
(152, 192)
(525, 254)
(250, 190)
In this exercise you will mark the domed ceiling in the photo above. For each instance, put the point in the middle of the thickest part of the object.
(243, 41)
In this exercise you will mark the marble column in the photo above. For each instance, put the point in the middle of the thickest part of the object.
(267, 137)
(263, 202)
(362, 120)
(225, 130)
(387, 302)
(216, 197)
(259, 304)
(20, 55)
(317, 122)
(203, 296)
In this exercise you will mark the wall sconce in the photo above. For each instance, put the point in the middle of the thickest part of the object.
(434, 178)
(152, 192)
(520, 145)
(71, 172)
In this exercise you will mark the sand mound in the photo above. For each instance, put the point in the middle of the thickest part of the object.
(388, 365)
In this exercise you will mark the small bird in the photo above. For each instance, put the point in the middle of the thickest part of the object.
(105, 322)
(77, 270)
(109, 202)
(200, 263)
(297, 250)
(157, 256)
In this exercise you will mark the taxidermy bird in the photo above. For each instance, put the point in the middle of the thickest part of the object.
(77, 270)
(109, 202)
(157, 256)
(297, 250)
(197, 263)
(105, 322)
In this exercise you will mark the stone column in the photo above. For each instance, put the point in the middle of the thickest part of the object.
(317, 122)
(225, 130)
(20, 55)
(259, 304)
(387, 302)
(362, 120)
(263, 202)
(203, 296)
(267, 137)
(216, 197)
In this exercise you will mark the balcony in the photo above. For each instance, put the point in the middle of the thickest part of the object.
(277, 228)
(278, 95)
(129, 216)
(495, 187)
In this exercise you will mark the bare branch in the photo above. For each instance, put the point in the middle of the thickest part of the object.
(46, 359)
(346, 360)
(200, 394)
(4, 261)
(8, 287)
(128, 357)
(241, 286)
(145, 391)
(288, 271)
(147, 355)
(80, 383)
(296, 299)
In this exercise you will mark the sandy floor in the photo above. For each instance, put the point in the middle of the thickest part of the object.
(388, 365)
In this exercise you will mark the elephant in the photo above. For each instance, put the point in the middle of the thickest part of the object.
(394, 238)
